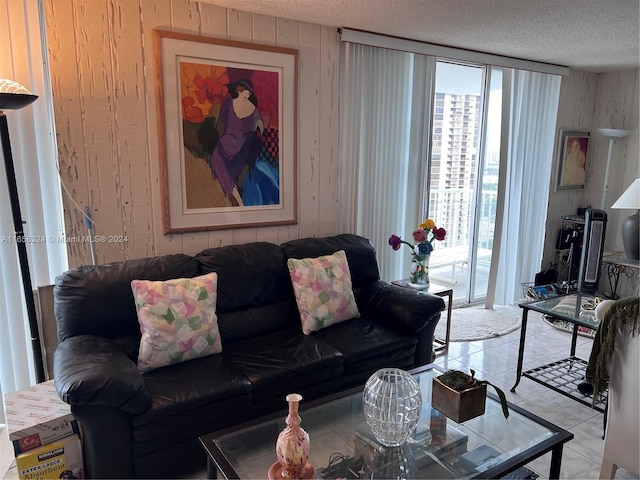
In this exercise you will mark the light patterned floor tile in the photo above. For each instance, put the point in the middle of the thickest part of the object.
(574, 466)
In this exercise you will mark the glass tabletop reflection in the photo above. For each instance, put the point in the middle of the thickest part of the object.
(576, 307)
(342, 444)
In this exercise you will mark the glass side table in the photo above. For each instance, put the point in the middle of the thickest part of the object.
(441, 345)
(562, 376)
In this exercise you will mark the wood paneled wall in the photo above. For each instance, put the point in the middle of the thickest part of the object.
(589, 101)
(103, 74)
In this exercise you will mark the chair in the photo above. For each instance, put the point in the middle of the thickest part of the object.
(622, 435)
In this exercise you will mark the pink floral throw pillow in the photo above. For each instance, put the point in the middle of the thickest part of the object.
(323, 291)
(177, 319)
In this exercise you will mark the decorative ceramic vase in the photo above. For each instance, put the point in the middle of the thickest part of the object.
(419, 270)
(392, 402)
(292, 446)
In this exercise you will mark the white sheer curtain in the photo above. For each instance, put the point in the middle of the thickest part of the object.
(385, 118)
(530, 107)
(32, 134)
(385, 115)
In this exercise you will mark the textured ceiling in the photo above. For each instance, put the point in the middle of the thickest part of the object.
(591, 35)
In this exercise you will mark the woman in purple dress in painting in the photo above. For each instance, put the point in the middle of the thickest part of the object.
(239, 145)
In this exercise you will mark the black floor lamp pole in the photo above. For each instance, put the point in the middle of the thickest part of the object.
(22, 249)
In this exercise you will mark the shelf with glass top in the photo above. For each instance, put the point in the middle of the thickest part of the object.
(562, 376)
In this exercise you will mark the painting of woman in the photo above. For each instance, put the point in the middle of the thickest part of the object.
(575, 161)
(239, 145)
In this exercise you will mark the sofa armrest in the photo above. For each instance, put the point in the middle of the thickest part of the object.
(400, 306)
(92, 370)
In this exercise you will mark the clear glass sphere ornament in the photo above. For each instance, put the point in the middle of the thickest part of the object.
(392, 402)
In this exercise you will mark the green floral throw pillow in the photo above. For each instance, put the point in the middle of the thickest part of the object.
(177, 319)
(323, 291)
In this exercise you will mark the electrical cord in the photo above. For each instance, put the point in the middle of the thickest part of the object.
(342, 466)
(86, 216)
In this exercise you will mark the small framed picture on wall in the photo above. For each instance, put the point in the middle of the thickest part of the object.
(573, 148)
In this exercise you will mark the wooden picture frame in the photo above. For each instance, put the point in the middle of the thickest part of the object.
(573, 149)
(226, 131)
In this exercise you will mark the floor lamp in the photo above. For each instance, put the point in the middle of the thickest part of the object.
(14, 96)
(612, 134)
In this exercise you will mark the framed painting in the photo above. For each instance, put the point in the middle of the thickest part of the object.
(573, 147)
(226, 131)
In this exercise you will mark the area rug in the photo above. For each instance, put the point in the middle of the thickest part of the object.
(568, 326)
(479, 323)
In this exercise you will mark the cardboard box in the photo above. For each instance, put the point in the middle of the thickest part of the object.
(60, 459)
(36, 416)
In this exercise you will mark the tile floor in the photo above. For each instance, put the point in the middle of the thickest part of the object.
(495, 359)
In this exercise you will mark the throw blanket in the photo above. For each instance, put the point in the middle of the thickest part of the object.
(622, 317)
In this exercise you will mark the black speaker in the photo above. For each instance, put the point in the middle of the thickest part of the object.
(595, 227)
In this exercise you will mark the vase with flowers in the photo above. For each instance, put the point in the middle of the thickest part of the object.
(423, 237)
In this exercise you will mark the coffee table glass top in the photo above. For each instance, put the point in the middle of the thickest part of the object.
(575, 307)
(486, 446)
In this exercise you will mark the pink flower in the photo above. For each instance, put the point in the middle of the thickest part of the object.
(419, 235)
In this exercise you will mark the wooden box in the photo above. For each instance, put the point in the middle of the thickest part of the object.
(458, 406)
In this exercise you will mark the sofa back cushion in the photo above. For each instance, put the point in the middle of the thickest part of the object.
(255, 295)
(97, 299)
(360, 254)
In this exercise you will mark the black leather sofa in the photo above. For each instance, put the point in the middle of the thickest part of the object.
(147, 425)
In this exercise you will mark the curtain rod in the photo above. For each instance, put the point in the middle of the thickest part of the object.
(453, 53)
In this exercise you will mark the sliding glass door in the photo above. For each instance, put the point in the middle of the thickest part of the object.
(463, 178)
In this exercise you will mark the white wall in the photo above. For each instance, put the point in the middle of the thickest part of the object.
(617, 107)
(103, 76)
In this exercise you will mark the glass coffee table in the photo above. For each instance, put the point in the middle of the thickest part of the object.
(562, 376)
(342, 446)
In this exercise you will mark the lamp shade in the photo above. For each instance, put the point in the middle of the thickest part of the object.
(14, 96)
(630, 199)
(613, 132)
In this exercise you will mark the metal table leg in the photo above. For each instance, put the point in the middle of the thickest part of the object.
(212, 470)
(523, 336)
(574, 339)
(556, 462)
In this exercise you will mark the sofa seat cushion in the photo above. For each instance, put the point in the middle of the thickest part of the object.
(190, 399)
(188, 385)
(284, 361)
(378, 345)
(171, 430)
